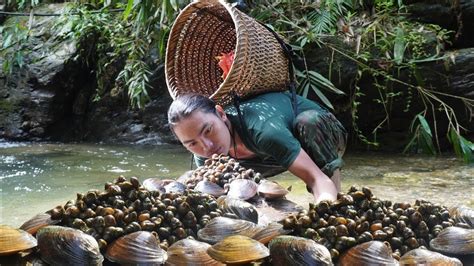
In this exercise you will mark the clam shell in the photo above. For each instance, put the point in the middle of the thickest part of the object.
(210, 188)
(292, 250)
(271, 190)
(156, 184)
(190, 252)
(463, 214)
(175, 187)
(454, 240)
(422, 256)
(188, 175)
(270, 231)
(67, 246)
(140, 247)
(238, 249)
(221, 227)
(241, 208)
(38, 221)
(368, 253)
(243, 189)
(14, 240)
(275, 210)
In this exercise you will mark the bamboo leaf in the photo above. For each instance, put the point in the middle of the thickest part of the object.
(424, 125)
(400, 46)
(128, 9)
(322, 97)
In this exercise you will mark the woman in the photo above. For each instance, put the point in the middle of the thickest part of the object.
(267, 136)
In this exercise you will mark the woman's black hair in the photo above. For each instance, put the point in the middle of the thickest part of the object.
(184, 105)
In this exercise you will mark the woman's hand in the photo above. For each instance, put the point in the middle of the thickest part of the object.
(321, 185)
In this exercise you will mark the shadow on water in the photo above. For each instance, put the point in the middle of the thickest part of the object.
(36, 177)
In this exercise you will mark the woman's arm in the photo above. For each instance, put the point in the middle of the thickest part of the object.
(321, 185)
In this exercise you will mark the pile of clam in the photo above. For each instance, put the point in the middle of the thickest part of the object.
(358, 217)
(221, 170)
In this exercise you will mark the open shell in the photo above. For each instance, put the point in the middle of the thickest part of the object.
(463, 214)
(275, 210)
(14, 240)
(238, 249)
(221, 227)
(190, 252)
(241, 208)
(243, 189)
(67, 246)
(208, 187)
(454, 240)
(141, 247)
(271, 190)
(368, 253)
(422, 256)
(156, 184)
(38, 221)
(292, 250)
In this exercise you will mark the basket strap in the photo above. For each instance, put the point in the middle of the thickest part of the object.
(289, 54)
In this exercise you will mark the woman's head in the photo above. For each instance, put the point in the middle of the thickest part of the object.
(200, 125)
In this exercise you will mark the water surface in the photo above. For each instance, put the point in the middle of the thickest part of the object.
(36, 177)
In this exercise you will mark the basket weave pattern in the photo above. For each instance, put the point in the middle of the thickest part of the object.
(206, 29)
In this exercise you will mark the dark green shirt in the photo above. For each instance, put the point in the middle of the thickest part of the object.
(268, 122)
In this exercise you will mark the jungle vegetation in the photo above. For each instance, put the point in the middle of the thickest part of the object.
(383, 42)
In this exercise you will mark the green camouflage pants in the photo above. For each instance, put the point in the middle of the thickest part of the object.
(320, 134)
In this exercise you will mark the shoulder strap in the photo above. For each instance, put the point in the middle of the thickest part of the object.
(289, 54)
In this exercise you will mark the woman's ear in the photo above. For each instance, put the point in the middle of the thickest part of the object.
(221, 113)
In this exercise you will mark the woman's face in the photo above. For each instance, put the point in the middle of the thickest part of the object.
(204, 133)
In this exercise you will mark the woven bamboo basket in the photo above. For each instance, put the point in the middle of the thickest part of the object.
(207, 28)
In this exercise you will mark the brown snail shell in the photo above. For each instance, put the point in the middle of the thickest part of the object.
(141, 247)
(454, 240)
(156, 184)
(422, 256)
(462, 214)
(270, 231)
(238, 249)
(292, 250)
(210, 188)
(241, 208)
(36, 222)
(221, 227)
(243, 189)
(190, 252)
(67, 246)
(271, 190)
(368, 253)
(14, 240)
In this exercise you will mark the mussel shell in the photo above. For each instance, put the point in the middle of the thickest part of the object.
(208, 187)
(241, 208)
(454, 240)
(221, 227)
(14, 240)
(368, 253)
(293, 250)
(38, 221)
(275, 210)
(141, 247)
(238, 249)
(190, 252)
(243, 189)
(462, 214)
(175, 187)
(67, 246)
(271, 190)
(422, 256)
(270, 231)
(188, 175)
(156, 184)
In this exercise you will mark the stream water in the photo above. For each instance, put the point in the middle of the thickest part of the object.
(35, 177)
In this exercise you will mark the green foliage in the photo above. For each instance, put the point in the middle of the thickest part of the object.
(12, 48)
